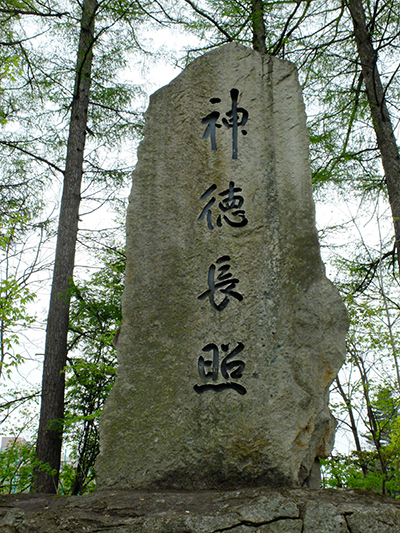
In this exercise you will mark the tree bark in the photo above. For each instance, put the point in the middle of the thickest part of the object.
(353, 424)
(48, 449)
(379, 112)
(373, 426)
(258, 26)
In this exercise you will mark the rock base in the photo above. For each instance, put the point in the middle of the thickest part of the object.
(243, 511)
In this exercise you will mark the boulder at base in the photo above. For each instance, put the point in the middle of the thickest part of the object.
(240, 511)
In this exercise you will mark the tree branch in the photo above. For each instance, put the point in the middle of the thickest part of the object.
(205, 15)
(34, 156)
(17, 12)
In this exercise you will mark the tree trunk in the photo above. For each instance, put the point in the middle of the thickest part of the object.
(372, 422)
(258, 26)
(48, 450)
(380, 114)
(353, 425)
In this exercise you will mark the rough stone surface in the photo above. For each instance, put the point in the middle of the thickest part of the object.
(374, 521)
(177, 417)
(324, 517)
(242, 511)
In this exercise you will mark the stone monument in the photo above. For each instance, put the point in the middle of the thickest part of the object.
(231, 332)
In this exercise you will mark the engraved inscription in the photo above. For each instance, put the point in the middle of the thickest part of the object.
(230, 368)
(221, 285)
(237, 118)
(230, 207)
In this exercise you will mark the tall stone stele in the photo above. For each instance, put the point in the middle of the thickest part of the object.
(231, 332)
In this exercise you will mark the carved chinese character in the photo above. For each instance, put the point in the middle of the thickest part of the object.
(231, 369)
(230, 205)
(237, 118)
(224, 284)
(211, 121)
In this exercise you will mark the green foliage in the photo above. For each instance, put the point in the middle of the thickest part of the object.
(94, 321)
(346, 471)
(368, 399)
(9, 68)
(15, 295)
(14, 300)
(37, 74)
(377, 466)
(90, 373)
(68, 476)
(16, 467)
(17, 463)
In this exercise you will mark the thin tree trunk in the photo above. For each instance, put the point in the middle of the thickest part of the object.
(373, 426)
(258, 26)
(353, 424)
(48, 450)
(379, 111)
(87, 456)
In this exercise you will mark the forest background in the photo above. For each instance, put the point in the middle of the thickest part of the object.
(72, 92)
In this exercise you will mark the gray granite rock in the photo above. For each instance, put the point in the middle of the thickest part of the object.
(322, 517)
(12, 521)
(231, 332)
(244, 511)
(374, 521)
(282, 526)
(267, 509)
